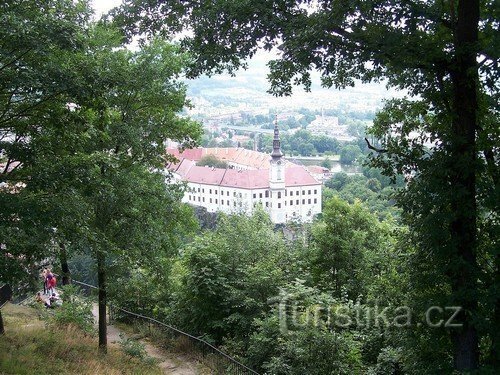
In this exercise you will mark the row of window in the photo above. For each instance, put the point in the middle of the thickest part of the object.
(297, 202)
(266, 194)
(297, 193)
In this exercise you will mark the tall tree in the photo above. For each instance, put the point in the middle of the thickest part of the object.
(126, 111)
(83, 124)
(443, 53)
(37, 42)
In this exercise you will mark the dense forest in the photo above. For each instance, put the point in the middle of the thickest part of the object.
(398, 275)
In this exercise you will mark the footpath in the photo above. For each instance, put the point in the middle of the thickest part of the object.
(170, 363)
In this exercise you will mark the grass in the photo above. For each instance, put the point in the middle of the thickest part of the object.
(30, 347)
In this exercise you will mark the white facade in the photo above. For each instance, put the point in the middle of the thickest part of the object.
(285, 190)
(294, 203)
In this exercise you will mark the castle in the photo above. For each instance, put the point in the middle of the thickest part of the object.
(285, 190)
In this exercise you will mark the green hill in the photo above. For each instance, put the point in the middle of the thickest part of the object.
(31, 347)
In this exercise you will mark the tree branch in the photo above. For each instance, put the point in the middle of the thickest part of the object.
(379, 150)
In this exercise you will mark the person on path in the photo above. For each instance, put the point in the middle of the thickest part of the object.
(51, 283)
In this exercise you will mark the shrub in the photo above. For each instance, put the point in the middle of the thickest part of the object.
(75, 310)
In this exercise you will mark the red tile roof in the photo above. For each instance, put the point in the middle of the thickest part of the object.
(189, 153)
(258, 178)
(247, 179)
(317, 169)
(204, 175)
(298, 176)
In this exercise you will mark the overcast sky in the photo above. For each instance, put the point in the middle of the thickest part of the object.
(102, 6)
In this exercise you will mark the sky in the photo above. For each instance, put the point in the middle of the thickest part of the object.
(102, 6)
(257, 66)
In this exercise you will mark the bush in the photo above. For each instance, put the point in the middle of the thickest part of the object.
(75, 310)
(135, 348)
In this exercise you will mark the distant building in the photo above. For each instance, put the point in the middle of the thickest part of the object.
(319, 173)
(285, 190)
(329, 126)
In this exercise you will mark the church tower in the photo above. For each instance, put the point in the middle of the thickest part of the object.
(277, 179)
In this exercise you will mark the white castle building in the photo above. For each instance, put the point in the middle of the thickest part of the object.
(285, 190)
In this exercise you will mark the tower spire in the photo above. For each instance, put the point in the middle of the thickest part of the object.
(276, 154)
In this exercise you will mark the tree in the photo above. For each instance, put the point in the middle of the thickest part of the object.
(93, 159)
(349, 154)
(37, 74)
(130, 112)
(442, 53)
(212, 161)
(327, 163)
(227, 275)
(344, 244)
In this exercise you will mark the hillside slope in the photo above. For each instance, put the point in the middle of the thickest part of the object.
(29, 347)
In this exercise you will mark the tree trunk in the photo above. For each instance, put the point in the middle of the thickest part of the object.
(101, 278)
(2, 329)
(463, 182)
(63, 257)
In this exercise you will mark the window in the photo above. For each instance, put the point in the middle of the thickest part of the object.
(215, 201)
(309, 192)
(198, 199)
(279, 205)
(267, 204)
(297, 201)
(279, 194)
(267, 193)
(309, 201)
(254, 195)
(198, 190)
(234, 194)
(291, 202)
(210, 191)
(285, 193)
(202, 190)
(203, 199)
(315, 200)
(216, 192)
(303, 201)
(234, 204)
(240, 195)
(315, 191)
(210, 200)
(228, 193)
(260, 195)
(303, 192)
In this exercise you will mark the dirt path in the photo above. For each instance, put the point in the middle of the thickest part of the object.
(170, 363)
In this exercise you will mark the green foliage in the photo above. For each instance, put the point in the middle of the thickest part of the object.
(212, 161)
(349, 154)
(74, 310)
(307, 344)
(346, 247)
(226, 276)
(30, 347)
(376, 193)
(134, 348)
(37, 77)
(327, 163)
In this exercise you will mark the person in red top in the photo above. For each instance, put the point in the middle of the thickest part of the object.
(51, 283)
